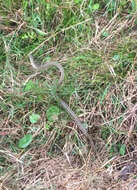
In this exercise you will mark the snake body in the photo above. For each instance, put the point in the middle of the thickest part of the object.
(63, 104)
(47, 66)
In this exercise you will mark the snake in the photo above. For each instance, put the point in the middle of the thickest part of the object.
(62, 103)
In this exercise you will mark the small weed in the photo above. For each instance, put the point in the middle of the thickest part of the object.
(52, 113)
(25, 141)
(34, 118)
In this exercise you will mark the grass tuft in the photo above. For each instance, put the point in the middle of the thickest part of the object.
(40, 145)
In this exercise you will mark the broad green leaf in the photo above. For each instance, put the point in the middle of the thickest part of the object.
(122, 150)
(29, 86)
(105, 34)
(77, 1)
(52, 113)
(34, 118)
(95, 6)
(116, 57)
(25, 141)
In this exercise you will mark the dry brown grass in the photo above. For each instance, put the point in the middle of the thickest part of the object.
(35, 170)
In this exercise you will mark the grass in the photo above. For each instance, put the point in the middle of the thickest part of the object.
(40, 145)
